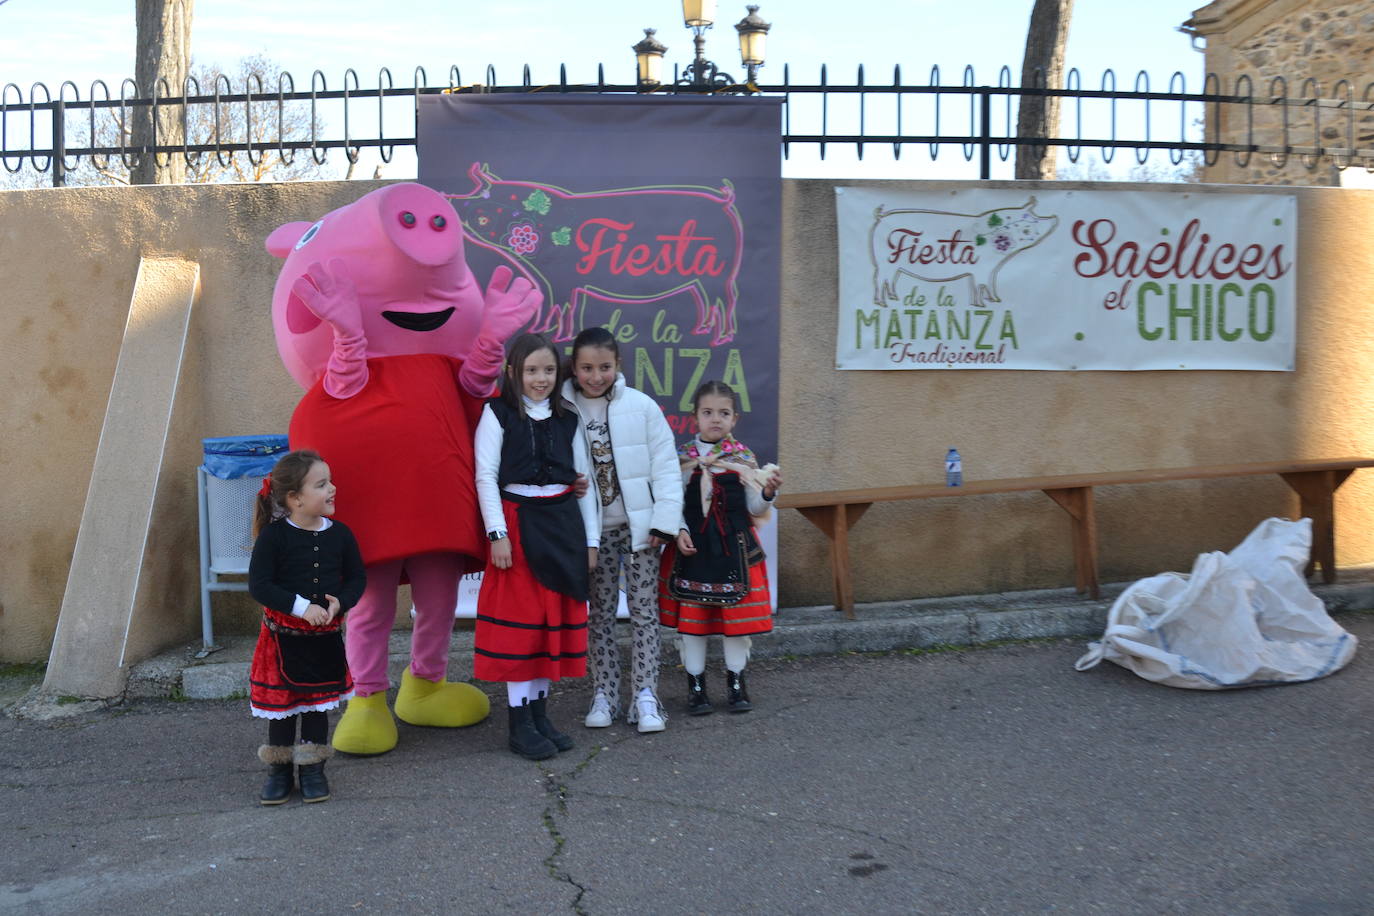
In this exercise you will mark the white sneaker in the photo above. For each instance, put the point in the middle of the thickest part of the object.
(650, 719)
(599, 716)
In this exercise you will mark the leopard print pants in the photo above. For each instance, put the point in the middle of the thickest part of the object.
(641, 593)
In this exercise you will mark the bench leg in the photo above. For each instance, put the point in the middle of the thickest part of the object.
(1078, 502)
(1316, 490)
(836, 521)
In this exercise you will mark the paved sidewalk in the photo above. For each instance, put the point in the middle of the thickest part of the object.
(994, 781)
(968, 620)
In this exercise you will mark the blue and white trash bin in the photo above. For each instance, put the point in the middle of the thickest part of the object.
(227, 482)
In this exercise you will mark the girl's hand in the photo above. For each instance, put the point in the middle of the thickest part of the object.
(316, 615)
(500, 553)
(772, 485)
(591, 559)
(655, 542)
(332, 608)
(580, 486)
(684, 543)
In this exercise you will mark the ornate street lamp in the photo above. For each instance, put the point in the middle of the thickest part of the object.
(649, 60)
(699, 15)
(753, 32)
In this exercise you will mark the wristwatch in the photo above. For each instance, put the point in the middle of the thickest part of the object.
(496, 535)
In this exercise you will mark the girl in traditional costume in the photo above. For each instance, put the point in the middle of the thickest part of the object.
(307, 573)
(714, 579)
(532, 610)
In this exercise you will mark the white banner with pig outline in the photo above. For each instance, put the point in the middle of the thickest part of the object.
(1036, 279)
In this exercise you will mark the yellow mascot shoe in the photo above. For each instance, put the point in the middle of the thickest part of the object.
(439, 704)
(366, 726)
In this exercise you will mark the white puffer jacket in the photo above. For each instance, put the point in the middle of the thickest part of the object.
(645, 459)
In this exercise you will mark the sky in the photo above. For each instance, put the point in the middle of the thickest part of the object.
(50, 41)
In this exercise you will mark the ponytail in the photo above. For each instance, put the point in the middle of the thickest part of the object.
(263, 511)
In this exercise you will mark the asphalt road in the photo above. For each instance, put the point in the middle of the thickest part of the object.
(986, 781)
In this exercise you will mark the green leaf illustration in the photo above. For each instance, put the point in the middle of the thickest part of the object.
(561, 236)
(994, 221)
(981, 240)
(538, 202)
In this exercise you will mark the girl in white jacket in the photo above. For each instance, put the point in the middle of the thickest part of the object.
(635, 475)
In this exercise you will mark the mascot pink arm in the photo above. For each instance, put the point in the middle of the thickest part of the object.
(380, 320)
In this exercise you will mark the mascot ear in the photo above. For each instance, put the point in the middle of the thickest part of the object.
(284, 238)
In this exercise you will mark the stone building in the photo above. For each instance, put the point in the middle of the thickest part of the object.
(1305, 50)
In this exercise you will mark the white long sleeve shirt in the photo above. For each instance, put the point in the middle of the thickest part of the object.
(487, 450)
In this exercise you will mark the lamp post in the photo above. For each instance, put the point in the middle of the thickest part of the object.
(699, 15)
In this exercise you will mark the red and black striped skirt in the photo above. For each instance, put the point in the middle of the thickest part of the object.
(751, 615)
(297, 667)
(525, 630)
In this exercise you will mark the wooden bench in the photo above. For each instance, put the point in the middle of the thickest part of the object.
(835, 512)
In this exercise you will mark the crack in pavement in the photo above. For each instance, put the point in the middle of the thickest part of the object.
(556, 789)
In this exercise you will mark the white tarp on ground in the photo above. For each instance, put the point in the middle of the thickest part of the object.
(1242, 619)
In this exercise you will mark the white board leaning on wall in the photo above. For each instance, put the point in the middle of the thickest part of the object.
(1065, 280)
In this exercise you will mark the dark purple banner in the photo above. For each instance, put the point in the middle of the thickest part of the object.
(657, 218)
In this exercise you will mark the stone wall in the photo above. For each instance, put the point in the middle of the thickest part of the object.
(68, 273)
(1312, 46)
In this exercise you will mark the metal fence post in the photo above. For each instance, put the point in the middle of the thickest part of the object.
(985, 145)
(59, 143)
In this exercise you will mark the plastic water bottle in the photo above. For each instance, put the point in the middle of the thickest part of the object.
(954, 469)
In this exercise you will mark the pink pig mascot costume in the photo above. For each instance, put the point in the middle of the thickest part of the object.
(379, 318)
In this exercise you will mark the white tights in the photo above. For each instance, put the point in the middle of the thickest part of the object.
(518, 693)
(736, 650)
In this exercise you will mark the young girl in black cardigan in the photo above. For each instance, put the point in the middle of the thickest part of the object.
(306, 572)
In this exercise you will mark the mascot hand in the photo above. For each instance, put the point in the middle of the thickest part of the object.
(510, 302)
(328, 291)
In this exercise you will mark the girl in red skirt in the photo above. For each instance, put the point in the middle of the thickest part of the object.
(306, 572)
(532, 609)
(713, 578)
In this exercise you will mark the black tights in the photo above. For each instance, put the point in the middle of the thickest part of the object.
(314, 729)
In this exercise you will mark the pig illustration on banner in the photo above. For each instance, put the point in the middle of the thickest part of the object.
(941, 247)
(379, 318)
(629, 247)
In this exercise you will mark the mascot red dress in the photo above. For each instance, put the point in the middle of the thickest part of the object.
(379, 318)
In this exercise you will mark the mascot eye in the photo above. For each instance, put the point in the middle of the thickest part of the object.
(309, 234)
(407, 219)
(438, 223)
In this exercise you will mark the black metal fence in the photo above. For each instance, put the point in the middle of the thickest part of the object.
(59, 132)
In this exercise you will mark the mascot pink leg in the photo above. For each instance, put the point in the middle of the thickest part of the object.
(425, 697)
(379, 318)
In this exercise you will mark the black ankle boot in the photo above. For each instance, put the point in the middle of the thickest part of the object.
(280, 774)
(277, 789)
(525, 739)
(314, 785)
(698, 704)
(311, 758)
(739, 693)
(539, 716)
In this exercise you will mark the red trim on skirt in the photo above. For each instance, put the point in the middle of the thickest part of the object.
(749, 617)
(524, 630)
(269, 696)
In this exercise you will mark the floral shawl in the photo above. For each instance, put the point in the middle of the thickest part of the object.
(729, 454)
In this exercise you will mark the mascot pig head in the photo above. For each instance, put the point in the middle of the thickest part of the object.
(386, 276)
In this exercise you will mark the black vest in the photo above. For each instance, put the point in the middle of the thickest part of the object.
(537, 452)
